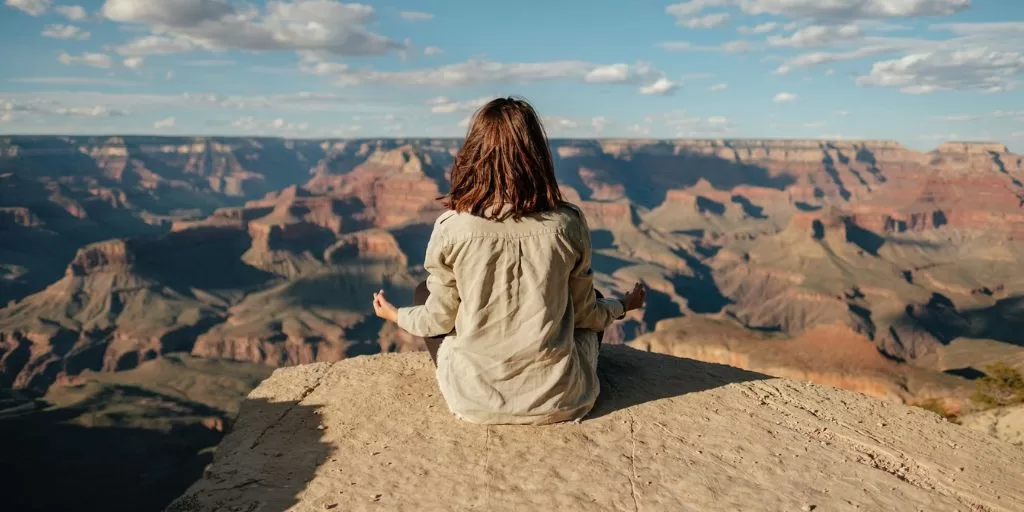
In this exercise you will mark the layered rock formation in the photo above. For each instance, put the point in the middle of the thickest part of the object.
(270, 247)
(667, 434)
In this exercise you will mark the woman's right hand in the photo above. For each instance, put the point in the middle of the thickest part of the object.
(634, 299)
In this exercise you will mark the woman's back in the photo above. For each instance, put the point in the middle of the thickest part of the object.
(509, 281)
(519, 289)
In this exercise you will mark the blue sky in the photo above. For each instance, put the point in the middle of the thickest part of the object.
(917, 71)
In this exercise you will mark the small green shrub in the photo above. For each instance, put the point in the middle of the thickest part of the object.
(1001, 386)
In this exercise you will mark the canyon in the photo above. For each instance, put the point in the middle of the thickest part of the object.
(862, 265)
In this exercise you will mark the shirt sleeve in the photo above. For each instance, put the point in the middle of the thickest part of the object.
(590, 312)
(437, 316)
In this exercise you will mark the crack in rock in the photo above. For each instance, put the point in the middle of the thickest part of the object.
(306, 392)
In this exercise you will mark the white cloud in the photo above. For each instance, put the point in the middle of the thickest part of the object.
(65, 32)
(784, 97)
(692, 7)
(815, 124)
(736, 46)
(324, 26)
(684, 125)
(842, 113)
(416, 16)
(826, 11)
(165, 123)
(72, 12)
(386, 117)
(133, 62)
(209, 63)
(818, 35)
(442, 105)
(709, 21)
(476, 72)
(259, 126)
(160, 45)
(855, 9)
(30, 7)
(556, 124)
(432, 50)
(980, 28)
(92, 60)
(1016, 115)
(74, 80)
(806, 60)
(93, 111)
(661, 87)
(977, 69)
(718, 87)
(612, 73)
(639, 129)
(763, 28)
(599, 123)
(44, 107)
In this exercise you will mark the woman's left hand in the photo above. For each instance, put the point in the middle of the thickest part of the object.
(383, 308)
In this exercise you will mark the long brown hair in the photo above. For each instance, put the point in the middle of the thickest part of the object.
(504, 162)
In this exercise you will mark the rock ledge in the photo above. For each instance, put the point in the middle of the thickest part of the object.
(373, 433)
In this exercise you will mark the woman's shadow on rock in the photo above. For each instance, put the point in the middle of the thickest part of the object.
(630, 377)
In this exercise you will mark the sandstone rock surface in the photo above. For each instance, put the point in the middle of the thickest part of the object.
(373, 433)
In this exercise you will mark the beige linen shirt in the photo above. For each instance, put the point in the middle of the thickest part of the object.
(520, 298)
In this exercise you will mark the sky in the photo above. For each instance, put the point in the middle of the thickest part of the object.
(917, 71)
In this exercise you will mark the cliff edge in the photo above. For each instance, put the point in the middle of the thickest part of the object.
(373, 433)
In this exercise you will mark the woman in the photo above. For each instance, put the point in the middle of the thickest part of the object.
(510, 286)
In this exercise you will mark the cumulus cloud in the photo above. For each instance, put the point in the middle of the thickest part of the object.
(432, 50)
(830, 11)
(599, 123)
(980, 28)
(301, 25)
(59, 31)
(160, 45)
(74, 80)
(260, 126)
(94, 111)
(639, 129)
(72, 12)
(763, 28)
(442, 105)
(477, 71)
(416, 16)
(661, 87)
(133, 62)
(691, 7)
(53, 107)
(784, 97)
(818, 35)
(30, 7)
(736, 46)
(1016, 115)
(709, 21)
(558, 124)
(718, 87)
(806, 60)
(92, 60)
(165, 123)
(681, 124)
(849, 10)
(977, 69)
